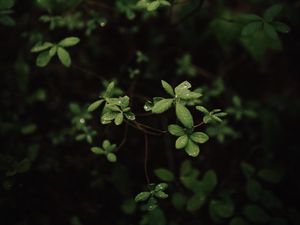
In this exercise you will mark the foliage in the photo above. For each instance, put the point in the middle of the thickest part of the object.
(166, 113)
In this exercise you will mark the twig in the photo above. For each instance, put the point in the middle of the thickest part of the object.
(87, 72)
(137, 126)
(199, 124)
(124, 138)
(151, 128)
(146, 159)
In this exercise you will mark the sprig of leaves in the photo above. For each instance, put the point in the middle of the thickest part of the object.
(47, 50)
(151, 196)
(115, 109)
(188, 139)
(266, 23)
(107, 149)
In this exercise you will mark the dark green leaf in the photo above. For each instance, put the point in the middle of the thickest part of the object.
(272, 12)
(209, 181)
(251, 28)
(196, 202)
(143, 196)
(164, 174)
(270, 31)
(281, 27)
(256, 214)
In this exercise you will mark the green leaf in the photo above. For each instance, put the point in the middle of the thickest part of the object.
(153, 6)
(247, 169)
(256, 214)
(7, 21)
(196, 202)
(53, 50)
(119, 118)
(161, 195)
(111, 157)
(223, 208)
(97, 150)
(209, 181)
(143, 196)
(161, 187)
(162, 106)
(199, 137)
(202, 109)
(184, 115)
(41, 47)
(281, 27)
(152, 204)
(181, 142)
(176, 130)
(43, 59)
(192, 149)
(108, 117)
(251, 28)
(178, 200)
(69, 41)
(64, 57)
(106, 144)
(129, 115)
(269, 175)
(251, 17)
(109, 89)
(182, 88)
(164, 174)
(254, 190)
(272, 12)
(270, 31)
(23, 166)
(92, 107)
(168, 88)
(29, 129)
(6, 4)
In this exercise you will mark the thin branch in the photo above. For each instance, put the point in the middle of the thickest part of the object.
(137, 126)
(199, 124)
(146, 159)
(100, 5)
(124, 138)
(88, 72)
(151, 128)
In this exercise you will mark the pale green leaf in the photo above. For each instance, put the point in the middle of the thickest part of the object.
(162, 106)
(64, 57)
(184, 115)
(69, 41)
